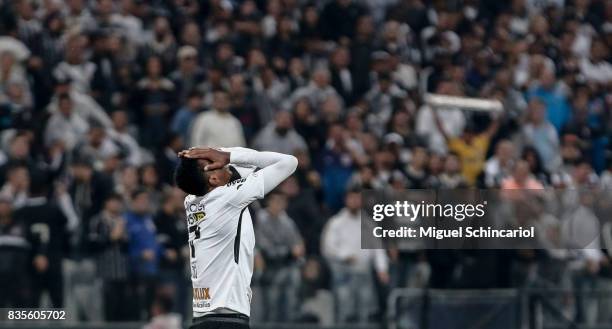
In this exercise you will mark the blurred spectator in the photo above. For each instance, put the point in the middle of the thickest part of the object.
(185, 116)
(521, 178)
(541, 134)
(108, 240)
(155, 101)
(103, 83)
(338, 19)
(596, 68)
(97, 146)
(243, 105)
(336, 164)
(279, 136)
(451, 175)
(499, 166)
(416, 170)
(14, 250)
(532, 157)
(166, 159)
(17, 186)
(75, 66)
(302, 207)
(17, 153)
(381, 100)
(88, 189)
(16, 106)
(352, 266)
(49, 243)
(160, 41)
(341, 77)
(471, 148)
(317, 301)
(281, 247)
(317, 90)
(144, 251)
(454, 120)
(188, 75)
(549, 91)
(124, 135)
(150, 183)
(65, 126)
(83, 106)
(581, 228)
(170, 228)
(162, 316)
(217, 127)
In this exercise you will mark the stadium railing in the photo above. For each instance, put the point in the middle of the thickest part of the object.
(443, 309)
(499, 309)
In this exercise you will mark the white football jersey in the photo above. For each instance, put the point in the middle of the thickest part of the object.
(222, 242)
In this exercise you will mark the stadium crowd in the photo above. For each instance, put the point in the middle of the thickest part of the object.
(98, 96)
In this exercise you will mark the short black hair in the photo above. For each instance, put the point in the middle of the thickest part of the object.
(139, 191)
(114, 197)
(64, 97)
(190, 178)
(194, 94)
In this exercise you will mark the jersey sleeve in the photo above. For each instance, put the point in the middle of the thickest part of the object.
(246, 190)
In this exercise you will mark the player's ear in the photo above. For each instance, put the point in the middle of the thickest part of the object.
(213, 180)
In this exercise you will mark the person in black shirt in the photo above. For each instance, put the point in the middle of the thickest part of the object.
(108, 240)
(46, 225)
(171, 230)
(88, 188)
(14, 248)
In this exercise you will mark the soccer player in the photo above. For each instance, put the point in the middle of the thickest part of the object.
(221, 236)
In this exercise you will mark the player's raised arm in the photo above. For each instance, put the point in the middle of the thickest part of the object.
(275, 167)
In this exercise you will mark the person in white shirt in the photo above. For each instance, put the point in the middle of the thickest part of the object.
(453, 120)
(280, 136)
(351, 266)
(500, 165)
(75, 67)
(65, 126)
(217, 126)
(84, 105)
(596, 68)
(221, 235)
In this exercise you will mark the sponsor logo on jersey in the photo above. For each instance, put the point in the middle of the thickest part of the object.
(200, 304)
(195, 218)
(195, 207)
(236, 181)
(201, 293)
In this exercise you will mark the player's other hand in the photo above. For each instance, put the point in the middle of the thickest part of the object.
(216, 158)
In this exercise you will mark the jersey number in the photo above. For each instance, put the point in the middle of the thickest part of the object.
(196, 232)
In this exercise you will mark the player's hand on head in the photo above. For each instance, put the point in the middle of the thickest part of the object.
(193, 152)
(217, 158)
